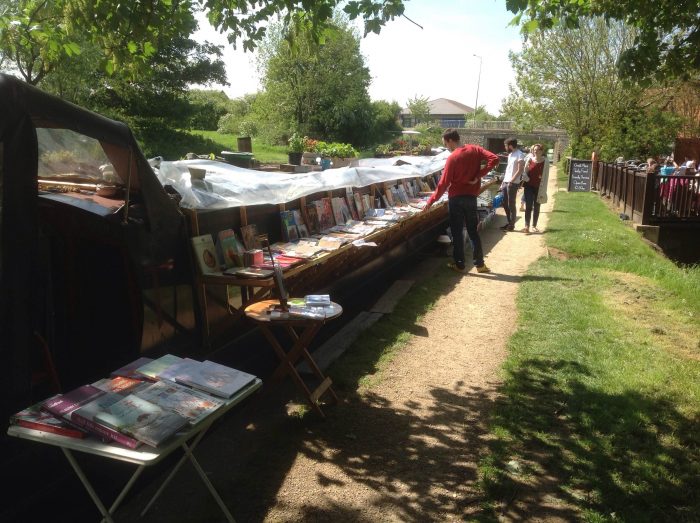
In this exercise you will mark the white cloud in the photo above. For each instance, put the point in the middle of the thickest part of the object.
(404, 60)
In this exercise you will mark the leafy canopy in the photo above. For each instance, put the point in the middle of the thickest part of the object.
(667, 42)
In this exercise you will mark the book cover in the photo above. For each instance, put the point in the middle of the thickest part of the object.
(230, 249)
(188, 403)
(345, 211)
(312, 214)
(216, 379)
(358, 203)
(289, 226)
(129, 370)
(34, 417)
(331, 243)
(156, 367)
(249, 234)
(84, 417)
(350, 201)
(172, 371)
(301, 224)
(337, 211)
(205, 253)
(118, 384)
(317, 300)
(325, 213)
(367, 203)
(389, 196)
(141, 419)
(250, 272)
(62, 405)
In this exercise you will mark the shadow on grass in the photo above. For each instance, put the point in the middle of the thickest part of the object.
(632, 456)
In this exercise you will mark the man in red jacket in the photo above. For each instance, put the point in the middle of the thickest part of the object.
(462, 174)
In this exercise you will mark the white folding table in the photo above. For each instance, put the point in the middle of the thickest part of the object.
(143, 456)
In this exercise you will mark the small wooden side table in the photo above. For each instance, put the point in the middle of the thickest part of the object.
(302, 331)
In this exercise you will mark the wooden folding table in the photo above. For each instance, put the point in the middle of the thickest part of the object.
(143, 456)
(302, 331)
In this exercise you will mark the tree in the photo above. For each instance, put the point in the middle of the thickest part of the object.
(568, 78)
(320, 89)
(667, 41)
(420, 109)
(385, 121)
(128, 34)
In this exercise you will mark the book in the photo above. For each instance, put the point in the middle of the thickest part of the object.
(230, 249)
(317, 300)
(367, 203)
(215, 379)
(301, 225)
(289, 226)
(249, 234)
(34, 417)
(205, 253)
(305, 311)
(141, 419)
(250, 272)
(118, 384)
(358, 203)
(129, 370)
(331, 243)
(84, 417)
(154, 368)
(337, 211)
(189, 403)
(314, 225)
(325, 213)
(345, 211)
(62, 405)
(389, 196)
(350, 200)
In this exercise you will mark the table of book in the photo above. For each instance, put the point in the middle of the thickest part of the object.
(302, 331)
(144, 456)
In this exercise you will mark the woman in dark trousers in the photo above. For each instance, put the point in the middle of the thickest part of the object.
(537, 170)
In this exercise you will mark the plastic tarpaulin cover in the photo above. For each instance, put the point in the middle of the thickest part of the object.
(227, 186)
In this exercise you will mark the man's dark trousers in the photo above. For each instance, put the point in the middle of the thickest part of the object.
(463, 208)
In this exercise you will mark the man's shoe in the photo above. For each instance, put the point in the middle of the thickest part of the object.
(482, 269)
(456, 268)
(504, 227)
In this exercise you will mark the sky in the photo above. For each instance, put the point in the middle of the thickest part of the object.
(406, 61)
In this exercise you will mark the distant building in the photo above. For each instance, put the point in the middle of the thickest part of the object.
(443, 112)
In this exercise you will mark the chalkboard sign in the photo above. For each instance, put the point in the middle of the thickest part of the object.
(580, 175)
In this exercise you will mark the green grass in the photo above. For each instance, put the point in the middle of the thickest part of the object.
(228, 142)
(602, 382)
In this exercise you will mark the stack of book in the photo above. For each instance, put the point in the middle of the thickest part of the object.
(146, 401)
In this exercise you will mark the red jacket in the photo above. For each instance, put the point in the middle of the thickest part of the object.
(462, 167)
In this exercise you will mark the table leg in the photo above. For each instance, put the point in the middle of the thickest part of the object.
(91, 491)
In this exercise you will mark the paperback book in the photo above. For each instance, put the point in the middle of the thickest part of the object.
(84, 417)
(250, 234)
(62, 405)
(118, 384)
(34, 417)
(312, 214)
(129, 370)
(301, 224)
(154, 369)
(358, 204)
(325, 213)
(141, 419)
(289, 226)
(215, 378)
(230, 249)
(317, 300)
(205, 253)
(189, 403)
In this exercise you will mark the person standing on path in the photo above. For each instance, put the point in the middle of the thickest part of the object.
(462, 174)
(535, 189)
(511, 181)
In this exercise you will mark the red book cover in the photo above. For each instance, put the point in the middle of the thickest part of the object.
(62, 405)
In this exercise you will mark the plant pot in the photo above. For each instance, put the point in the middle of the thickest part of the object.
(295, 158)
(309, 158)
(325, 163)
(341, 162)
(245, 144)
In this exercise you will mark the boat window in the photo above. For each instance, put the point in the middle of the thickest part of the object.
(65, 155)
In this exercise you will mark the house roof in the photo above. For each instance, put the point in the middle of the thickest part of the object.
(444, 106)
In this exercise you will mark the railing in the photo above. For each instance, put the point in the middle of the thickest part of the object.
(650, 198)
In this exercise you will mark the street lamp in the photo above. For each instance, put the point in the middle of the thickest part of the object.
(478, 83)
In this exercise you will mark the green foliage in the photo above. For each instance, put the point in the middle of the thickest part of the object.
(335, 149)
(420, 108)
(316, 89)
(384, 121)
(207, 107)
(295, 144)
(568, 78)
(668, 32)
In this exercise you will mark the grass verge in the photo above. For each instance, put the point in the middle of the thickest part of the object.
(600, 410)
(227, 142)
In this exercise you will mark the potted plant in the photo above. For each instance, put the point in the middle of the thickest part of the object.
(295, 148)
(310, 151)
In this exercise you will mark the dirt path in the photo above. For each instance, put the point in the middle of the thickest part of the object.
(423, 426)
